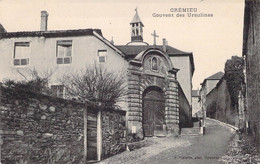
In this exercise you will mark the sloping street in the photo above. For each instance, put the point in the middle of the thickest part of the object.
(184, 150)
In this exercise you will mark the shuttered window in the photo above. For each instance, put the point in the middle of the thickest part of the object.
(21, 53)
(102, 55)
(64, 52)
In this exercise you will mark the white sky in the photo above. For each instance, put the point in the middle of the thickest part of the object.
(212, 40)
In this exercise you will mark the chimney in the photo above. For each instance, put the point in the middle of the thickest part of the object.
(44, 20)
(164, 44)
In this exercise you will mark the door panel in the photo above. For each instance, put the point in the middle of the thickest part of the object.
(92, 136)
(153, 113)
(147, 119)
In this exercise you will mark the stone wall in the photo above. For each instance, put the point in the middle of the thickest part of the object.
(251, 50)
(36, 128)
(40, 129)
(218, 104)
(185, 111)
(113, 132)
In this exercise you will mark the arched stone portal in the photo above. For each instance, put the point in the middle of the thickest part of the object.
(153, 104)
(154, 112)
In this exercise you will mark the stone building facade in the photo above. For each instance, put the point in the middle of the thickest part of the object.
(152, 94)
(152, 103)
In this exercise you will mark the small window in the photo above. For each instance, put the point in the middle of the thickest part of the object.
(58, 91)
(102, 55)
(64, 52)
(21, 53)
(154, 63)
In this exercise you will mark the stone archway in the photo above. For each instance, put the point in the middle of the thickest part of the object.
(153, 112)
(153, 104)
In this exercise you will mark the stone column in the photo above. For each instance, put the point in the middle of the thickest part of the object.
(134, 103)
(172, 108)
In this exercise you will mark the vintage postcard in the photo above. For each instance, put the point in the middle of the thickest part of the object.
(126, 81)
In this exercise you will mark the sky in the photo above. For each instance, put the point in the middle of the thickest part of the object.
(212, 40)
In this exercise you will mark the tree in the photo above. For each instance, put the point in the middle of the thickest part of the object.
(235, 77)
(97, 84)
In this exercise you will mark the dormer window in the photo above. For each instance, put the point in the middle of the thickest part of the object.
(64, 52)
(154, 64)
(21, 53)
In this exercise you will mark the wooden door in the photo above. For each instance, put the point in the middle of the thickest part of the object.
(153, 112)
(92, 136)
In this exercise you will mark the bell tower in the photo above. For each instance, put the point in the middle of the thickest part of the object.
(136, 28)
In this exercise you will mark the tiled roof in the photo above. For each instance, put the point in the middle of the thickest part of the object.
(56, 33)
(132, 50)
(216, 76)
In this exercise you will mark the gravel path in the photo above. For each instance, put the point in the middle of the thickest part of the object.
(207, 149)
(156, 146)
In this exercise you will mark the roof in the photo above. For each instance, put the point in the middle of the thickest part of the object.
(62, 33)
(136, 19)
(216, 76)
(56, 33)
(2, 29)
(195, 93)
(132, 50)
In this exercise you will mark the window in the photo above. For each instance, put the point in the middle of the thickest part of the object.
(21, 53)
(102, 55)
(58, 91)
(64, 53)
(154, 64)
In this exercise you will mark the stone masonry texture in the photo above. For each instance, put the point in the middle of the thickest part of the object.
(113, 132)
(36, 128)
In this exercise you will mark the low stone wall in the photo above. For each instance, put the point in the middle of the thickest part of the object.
(41, 129)
(38, 129)
(113, 132)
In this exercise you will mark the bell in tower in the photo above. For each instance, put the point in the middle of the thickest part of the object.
(136, 28)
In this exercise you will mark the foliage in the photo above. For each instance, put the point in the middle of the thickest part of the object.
(33, 82)
(235, 77)
(97, 84)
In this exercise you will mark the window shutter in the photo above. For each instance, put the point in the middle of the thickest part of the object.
(17, 62)
(59, 60)
(24, 61)
(102, 59)
(67, 60)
